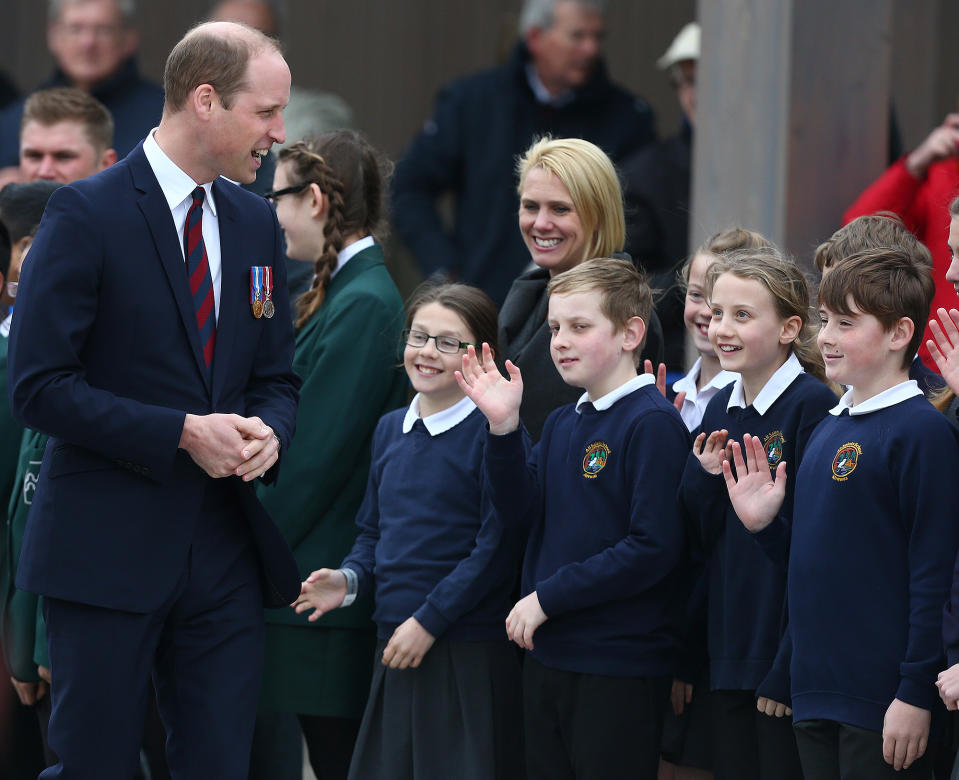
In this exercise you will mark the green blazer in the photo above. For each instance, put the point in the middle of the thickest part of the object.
(348, 358)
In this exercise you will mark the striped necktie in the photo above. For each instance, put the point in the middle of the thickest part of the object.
(198, 272)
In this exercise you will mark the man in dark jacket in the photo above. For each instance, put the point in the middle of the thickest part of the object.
(94, 43)
(555, 82)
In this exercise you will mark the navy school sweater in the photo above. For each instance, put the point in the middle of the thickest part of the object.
(874, 539)
(746, 588)
(597, 498)
(430, 542)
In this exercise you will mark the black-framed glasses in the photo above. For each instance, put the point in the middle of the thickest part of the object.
(447, 344)
(272, 195)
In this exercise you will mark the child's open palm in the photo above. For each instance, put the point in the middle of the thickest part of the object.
(495, 396)
(755, 497)
(711, 452)
(322, 591)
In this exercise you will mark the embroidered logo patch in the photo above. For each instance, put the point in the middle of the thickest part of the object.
(846, 460)
(773, 444)
(595, 459)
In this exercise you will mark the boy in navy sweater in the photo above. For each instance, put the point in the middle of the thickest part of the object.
(597, 497)
(873, 536)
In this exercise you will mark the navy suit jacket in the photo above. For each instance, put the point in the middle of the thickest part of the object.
(105, 357)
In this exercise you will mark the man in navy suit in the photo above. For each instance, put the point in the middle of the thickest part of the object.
(165, 393)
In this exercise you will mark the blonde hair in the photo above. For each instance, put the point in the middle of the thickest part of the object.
(784, 280)
(352, 174)
(589, 175)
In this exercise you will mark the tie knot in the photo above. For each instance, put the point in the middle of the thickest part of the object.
(198, 194)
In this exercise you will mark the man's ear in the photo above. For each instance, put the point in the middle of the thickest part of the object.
(131, 41)
(107, 159)
(204, 98)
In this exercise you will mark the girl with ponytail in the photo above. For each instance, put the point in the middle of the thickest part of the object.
(328, 194)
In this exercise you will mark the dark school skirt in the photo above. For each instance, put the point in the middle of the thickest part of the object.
(459, 714)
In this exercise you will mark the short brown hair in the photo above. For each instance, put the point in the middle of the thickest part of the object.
(623, 289)
(888, 283)
(65, 104)
(874, 231)
(205, 57)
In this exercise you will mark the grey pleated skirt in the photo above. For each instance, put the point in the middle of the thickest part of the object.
(459, 715)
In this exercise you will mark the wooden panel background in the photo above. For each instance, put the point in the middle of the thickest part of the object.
(386, 58)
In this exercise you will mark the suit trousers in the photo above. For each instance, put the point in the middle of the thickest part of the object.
(203, 648)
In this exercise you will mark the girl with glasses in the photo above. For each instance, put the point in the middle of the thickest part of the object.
(445, 698)
(328, 194)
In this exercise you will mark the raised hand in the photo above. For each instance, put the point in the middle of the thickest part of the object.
(945, 348)
(755, 496)
(711, 454)
(496, 396)
(322, 591)
(660, 375)
(940, 143)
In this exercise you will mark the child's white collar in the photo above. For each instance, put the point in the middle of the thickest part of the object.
(889, 397)
(603, 403)
(687, 384)
(441, 421)
(775, 386)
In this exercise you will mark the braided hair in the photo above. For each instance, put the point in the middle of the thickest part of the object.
(352, 174)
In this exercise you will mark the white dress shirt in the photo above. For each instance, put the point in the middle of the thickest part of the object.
(178, 188)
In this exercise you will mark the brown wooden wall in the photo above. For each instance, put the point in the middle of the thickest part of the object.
(387, 58)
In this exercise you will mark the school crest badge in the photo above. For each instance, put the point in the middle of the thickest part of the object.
(595, 459)
(846, 460)
(773, 444)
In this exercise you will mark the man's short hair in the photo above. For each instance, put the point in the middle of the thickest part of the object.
(540, 14)
(205, 57)
(48, 107)
(624, 292)
(22, 205)
(887, 282)
(127, 9)
(874, 231)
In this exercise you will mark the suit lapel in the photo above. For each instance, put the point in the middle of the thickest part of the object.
(231, 285)
(157, 214)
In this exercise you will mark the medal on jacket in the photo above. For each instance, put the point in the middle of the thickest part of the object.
(268, 309)
(256, 290)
